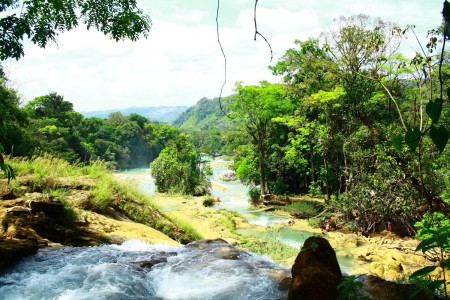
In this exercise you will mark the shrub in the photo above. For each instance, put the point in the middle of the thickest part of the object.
(208, 201)
(315, 190)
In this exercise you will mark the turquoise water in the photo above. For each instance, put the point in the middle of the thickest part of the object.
(142, 178)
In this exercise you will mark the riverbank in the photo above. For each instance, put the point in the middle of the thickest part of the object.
(53, 204)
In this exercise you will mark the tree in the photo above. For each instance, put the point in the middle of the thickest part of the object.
(49, 106)
(256, 106)
(13, 119)
(41, 21)
(179, 169)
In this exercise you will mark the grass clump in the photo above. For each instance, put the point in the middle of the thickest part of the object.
(139, 208)
(47, 169)
(303, 208)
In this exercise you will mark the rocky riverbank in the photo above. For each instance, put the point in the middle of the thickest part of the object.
(32, 218)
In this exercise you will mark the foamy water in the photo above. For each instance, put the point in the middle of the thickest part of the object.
(113, 272)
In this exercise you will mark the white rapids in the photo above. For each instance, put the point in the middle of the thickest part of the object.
(137, 270)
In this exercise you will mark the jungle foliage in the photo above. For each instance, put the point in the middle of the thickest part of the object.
(354, 120)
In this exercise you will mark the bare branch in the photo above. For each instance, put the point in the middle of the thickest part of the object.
(258, 33)
(224, 58)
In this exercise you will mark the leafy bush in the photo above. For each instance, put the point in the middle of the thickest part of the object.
(277, 250)
(314, 223)
(315, 189)
(279, 187)
(431, 221)
(254, 193)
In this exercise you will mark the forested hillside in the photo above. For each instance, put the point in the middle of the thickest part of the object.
(209, 126)
(48, 124)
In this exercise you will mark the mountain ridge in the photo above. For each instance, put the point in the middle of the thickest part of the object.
(163, 114)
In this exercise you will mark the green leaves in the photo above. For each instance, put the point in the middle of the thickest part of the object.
(433, 110)
(439, 136)
(423, 271)
(397, 141)
(412, 138)
(42, 21)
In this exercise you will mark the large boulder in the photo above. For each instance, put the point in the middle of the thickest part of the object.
(316, 273)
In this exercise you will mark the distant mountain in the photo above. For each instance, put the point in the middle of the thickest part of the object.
(163, 114)
(205, 114)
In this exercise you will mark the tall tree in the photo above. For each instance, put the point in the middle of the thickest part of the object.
(256, 106)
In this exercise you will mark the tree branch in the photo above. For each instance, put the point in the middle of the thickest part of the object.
(224, 58)
(258, 33)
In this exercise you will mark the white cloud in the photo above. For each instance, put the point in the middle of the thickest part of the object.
(181, 61)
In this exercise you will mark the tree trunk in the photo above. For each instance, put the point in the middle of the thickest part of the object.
(262, 171)
(327, 181)
(312, 163)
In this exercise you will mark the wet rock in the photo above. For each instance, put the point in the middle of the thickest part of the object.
(228, 176)
(150, 263)
(285, 283)
(207, 243)
(316, 272)
(377, 288)
(12, 250)
(49, 208)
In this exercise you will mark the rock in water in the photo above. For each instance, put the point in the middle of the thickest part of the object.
(316, 273)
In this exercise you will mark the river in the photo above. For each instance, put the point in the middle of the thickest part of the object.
(233, 196)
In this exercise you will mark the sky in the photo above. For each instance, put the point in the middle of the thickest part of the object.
(181, 62)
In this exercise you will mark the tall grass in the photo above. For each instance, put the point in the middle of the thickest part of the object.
(46, 167)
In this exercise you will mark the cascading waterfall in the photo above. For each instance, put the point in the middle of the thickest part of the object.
(137, 270)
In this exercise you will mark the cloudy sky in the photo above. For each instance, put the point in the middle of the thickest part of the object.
(181, 62)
